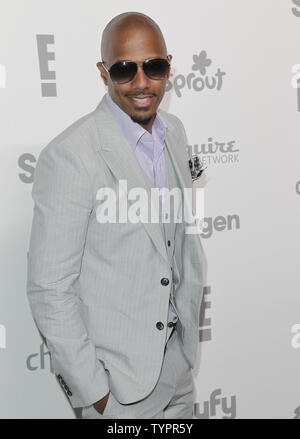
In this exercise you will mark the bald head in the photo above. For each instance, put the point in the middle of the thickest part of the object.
(125, 24)
(135, 37)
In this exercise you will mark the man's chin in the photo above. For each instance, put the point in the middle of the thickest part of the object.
(140, 119)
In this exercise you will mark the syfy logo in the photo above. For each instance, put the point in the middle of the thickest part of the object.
(204, 321)
(44, 56)
(295, 342)
(297, 413)
(2, 337)
(210, 407)
(214, 152)
(25, 162)
(37, 360)
(296, 11)
(2, 76)
(198, 83)
(296, 82)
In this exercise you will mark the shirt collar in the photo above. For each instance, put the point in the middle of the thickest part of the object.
(133, 130)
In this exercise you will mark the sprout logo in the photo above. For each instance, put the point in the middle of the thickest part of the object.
(202, 81)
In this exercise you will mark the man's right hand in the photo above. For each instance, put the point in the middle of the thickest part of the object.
(101, 404)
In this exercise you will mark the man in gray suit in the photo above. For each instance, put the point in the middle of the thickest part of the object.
(118, 302)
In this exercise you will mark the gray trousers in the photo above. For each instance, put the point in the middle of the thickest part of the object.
(171, 398)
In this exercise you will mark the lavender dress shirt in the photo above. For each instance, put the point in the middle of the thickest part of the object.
(148, 149)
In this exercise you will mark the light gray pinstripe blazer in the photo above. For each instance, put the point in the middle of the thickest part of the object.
(95, 289)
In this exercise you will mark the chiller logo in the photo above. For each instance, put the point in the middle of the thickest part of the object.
(216, 152)
(37, 360)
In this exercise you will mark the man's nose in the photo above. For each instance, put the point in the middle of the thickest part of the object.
(141, 80)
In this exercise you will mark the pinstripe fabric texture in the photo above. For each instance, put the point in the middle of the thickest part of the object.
(94, 289)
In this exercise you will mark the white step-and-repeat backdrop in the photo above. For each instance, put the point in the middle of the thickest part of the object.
(235, 84)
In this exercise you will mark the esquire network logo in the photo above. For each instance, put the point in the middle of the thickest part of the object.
(216, 152)
(209, 409)
(199, 79)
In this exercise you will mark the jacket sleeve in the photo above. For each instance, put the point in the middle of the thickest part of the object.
(62, 205)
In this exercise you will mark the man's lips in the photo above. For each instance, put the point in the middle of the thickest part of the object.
(146, 103)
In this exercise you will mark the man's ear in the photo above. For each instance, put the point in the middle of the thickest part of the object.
(103, 72)
(169, 58)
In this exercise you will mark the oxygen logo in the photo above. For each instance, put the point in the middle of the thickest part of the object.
(205, 321)
(37, 360)
(2, 76)
(296, 11)
(200, 80)
(215, 152)
(2, 337)
(295, 342)
(209, 409)
(219, 223)
(48, 88)
(296, 82)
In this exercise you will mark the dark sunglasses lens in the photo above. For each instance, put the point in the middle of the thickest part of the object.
(156, 68)
(122, 72)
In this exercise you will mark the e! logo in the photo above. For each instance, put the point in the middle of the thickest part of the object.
(205, 320)
(48, 88)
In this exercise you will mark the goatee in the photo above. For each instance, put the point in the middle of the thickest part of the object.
(141, 119)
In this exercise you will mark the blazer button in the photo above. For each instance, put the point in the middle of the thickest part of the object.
(160, 325)
(164, 281)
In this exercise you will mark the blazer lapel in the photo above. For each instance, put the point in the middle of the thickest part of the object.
(120, 158)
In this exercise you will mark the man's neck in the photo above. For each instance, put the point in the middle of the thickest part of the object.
(148, 126)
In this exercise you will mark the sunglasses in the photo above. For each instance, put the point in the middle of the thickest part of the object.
(124, 71)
